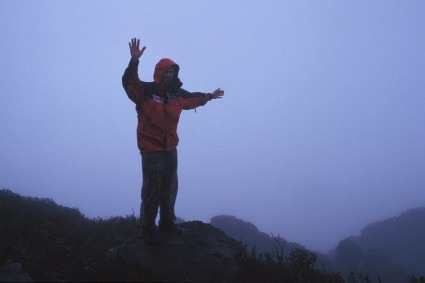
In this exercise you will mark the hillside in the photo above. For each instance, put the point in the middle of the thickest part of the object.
(248, 234)
(393, 249)
(401, 237)
(43, 241)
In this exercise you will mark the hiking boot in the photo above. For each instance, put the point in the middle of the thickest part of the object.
(170, 228)
(151, 237)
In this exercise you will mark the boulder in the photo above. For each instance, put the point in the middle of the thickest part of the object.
(13, 272)
(202, 253)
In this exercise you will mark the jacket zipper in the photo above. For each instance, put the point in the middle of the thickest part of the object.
(165, 125)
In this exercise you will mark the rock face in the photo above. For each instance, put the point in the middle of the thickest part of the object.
(13, 272)
(202, 253)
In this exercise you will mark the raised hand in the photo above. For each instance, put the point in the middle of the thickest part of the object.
(218, 93)
(135, 50)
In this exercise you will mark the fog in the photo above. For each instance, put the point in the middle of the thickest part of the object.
(320, 131)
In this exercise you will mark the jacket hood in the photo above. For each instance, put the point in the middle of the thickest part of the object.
(163, 65)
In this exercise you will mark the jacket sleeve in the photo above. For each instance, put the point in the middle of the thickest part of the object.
(131, 83)
(194, 100)
(186, 94)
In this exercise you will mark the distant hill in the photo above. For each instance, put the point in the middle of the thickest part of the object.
(401, 237)
(392, 249)
(245, 232)
(248, 234)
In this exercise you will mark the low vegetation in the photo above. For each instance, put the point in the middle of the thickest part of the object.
(298, 266)
(54, 243)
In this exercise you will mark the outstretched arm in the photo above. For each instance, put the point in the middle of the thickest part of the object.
(199, 99)
(218, 93)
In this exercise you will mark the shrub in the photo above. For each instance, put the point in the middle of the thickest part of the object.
(298, 266)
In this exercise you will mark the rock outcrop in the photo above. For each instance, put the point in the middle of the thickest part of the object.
(202, 253)
(13, 272)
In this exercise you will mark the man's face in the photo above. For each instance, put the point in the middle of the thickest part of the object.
(168, 75)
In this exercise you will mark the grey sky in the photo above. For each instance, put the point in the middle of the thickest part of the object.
(320, 132)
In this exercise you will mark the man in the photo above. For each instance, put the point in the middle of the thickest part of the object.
(159, 105)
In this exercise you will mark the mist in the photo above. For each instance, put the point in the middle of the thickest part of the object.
(320, 131)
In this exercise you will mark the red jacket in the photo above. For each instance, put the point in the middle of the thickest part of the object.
(158, 106)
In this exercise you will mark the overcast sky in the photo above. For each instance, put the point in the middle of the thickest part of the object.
(320, 131)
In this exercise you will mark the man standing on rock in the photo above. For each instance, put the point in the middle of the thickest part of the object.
(158, 105)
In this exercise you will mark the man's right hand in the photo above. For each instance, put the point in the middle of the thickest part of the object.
(135, 50)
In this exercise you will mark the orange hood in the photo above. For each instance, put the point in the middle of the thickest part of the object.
(163, 65)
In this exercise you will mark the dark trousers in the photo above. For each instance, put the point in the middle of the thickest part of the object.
(159, 189)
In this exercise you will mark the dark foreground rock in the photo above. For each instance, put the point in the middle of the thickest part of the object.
(202, 253)
(13, 272)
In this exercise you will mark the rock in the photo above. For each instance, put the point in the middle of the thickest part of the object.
(13, 272)
(202, 253)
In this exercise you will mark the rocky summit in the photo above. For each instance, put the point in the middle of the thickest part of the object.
(202, 253)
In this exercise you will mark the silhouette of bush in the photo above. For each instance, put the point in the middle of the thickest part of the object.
(55, 243)
(298, 266)
(413, 279)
